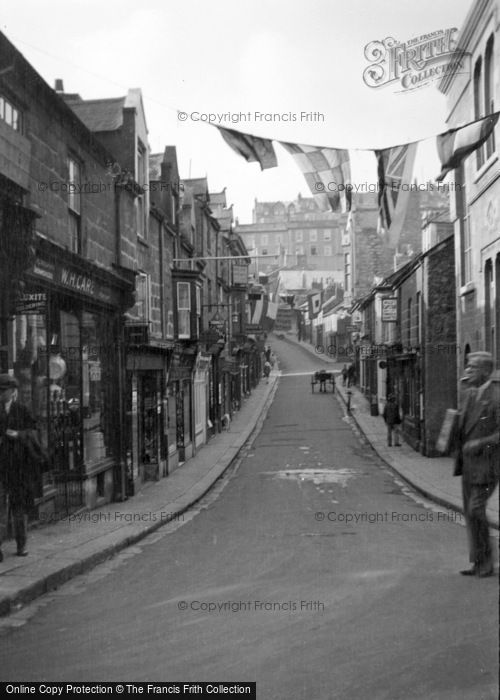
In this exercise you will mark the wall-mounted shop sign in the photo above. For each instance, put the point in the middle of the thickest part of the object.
(31, 303)
(390, 309)
(75, 280)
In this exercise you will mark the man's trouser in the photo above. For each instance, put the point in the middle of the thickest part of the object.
(15, 522)
(397, 434)
(475, 497)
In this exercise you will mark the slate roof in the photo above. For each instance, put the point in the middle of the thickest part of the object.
(100, 115)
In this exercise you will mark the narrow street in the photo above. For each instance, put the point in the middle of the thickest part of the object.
(309, 569)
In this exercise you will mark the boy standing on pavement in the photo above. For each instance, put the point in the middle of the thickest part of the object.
(20, 459)
(392, 420)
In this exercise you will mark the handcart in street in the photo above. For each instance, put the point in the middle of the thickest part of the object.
(324, 379)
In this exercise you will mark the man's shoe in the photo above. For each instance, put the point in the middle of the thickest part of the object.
(21, 553)
(469, 572)
(486, 574)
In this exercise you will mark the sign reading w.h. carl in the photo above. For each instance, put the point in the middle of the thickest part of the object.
(413, 63)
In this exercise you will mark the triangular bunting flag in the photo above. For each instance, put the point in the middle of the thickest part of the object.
(327, 172)
(456, 144)
(395, 168)
(253, 148)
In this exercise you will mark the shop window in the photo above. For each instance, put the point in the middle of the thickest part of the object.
(98, 417)
(172, 417)
(149, 429)
(29, 334)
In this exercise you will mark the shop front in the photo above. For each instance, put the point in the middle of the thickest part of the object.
(179, 400)
(407, 384)
(201, 391)
(63, 340)
(146, 415)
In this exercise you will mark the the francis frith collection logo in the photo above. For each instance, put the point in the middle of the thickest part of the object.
(413, 63)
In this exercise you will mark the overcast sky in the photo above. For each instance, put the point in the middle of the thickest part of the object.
(267, 56)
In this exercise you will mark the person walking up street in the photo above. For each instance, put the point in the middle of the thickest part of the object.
(392, 420)
(344, 375)
(351, 374)
(21, 457)
(477, 457)
(267, 370)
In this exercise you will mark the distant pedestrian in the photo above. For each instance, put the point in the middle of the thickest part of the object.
(392, 420)
(322, 376)
(21, 458)
(344, 375)
(267, 353)
(267, 370)
(351, 374)
(477, 447)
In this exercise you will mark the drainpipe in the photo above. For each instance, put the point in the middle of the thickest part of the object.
(122, 462)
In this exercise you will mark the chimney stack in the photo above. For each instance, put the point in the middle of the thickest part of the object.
(59, 86)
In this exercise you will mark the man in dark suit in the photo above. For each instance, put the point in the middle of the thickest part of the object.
(19, 459)
(478, 457)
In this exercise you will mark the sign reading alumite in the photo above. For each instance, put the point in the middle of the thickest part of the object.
(390, 309)
(413, 63)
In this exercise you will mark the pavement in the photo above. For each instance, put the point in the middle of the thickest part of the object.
(430, 476)
(60, 550)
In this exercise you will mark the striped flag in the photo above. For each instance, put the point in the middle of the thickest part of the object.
(253, 148)
(456, 144)
(327, 172)
(314, 304)
(270, 316)
(395, 168)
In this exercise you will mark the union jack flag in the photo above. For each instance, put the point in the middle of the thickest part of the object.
(395, 169)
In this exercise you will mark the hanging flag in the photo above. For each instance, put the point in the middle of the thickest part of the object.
(314, 304)
(253, 148)
(327, 172)
(456, 144)
(395, 168)
(270, 316)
